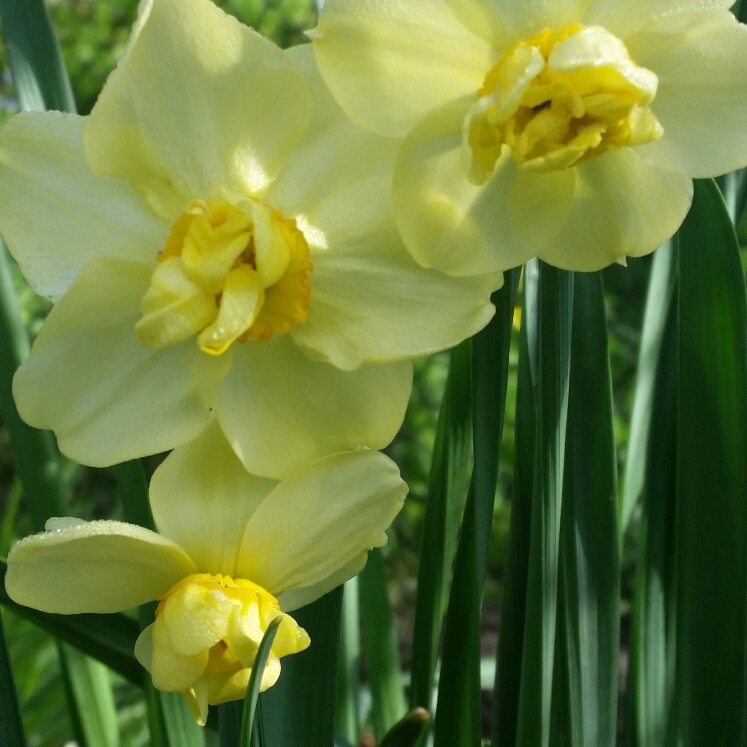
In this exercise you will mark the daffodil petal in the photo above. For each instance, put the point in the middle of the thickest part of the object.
(57, 216)
(108, 397)
(623, 18)
(389, 62)
(281, 410)
(373, 303)
(370, 301)
(170, 670)
(292, 599)
(320, 520)
(97, 566)
(623, 206)
(462, 229)
(515, 20)
(222, 114)
(700, 59)
(202, 498)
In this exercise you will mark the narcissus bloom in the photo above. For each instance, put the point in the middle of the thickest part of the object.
(233, 552)
(219, 240)
(565, 129)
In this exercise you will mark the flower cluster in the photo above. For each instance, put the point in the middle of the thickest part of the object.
(245, 251)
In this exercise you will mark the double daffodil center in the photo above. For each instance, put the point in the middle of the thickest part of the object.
(229, 272)
(206, 636)
(557, 99)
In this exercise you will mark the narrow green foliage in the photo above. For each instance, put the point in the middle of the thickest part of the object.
(650, 678)
(348, 678)
(555, 307)
(299, 710)
(380, 646)
(171, 722)
(458, 719)
(711, 654)
(447, 492)
(588, 617)
(89, 687)
(408, 731)
(659, 300)
(255, 680)
(513, 608)
(11, 727)
(34, 56)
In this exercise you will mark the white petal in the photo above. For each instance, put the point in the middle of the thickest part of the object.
(55, 215)
(202, 498)
(281, 410)
(623, 206)
(98, 566)
(700, 59)
(108, 397)
(389, 62)
(370, 301)
(464, 229)
(199, 103)
(623, 18)
(321, 520)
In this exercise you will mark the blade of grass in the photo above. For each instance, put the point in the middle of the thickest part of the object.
(658, 300)
(447, 491)
(458, 719)
(380, 646)
(513, 607)
(299, 710)
(11, 726)
(34, 57)
(347, 721)
(650, 680)
(255, 679)
(589, 560)
(552, 377)
(89, 686)
(711, 678)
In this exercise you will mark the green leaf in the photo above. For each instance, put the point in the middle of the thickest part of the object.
(458, 720)
(711, 652)
(11, 726)
(380, 646)
(513, 608)
(89, 687)
(659, 300)
(255, 680)
(347, 720)
(447, 492)
(299, 710)
(555, 310)
(650, 679)
(588, 615)
(34, 57)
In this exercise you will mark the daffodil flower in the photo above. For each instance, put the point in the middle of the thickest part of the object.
(219, 240)
(565, 129)
(233, 552)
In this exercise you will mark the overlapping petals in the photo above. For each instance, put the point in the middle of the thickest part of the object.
(151, 339)
(233, 551)
(630, 165)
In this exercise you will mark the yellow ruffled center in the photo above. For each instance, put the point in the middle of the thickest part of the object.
(229, 272)
(557, 99)
(206, 635)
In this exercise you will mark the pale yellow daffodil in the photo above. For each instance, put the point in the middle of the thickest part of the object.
(219, 240)
(570, 130)
(233, 552)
